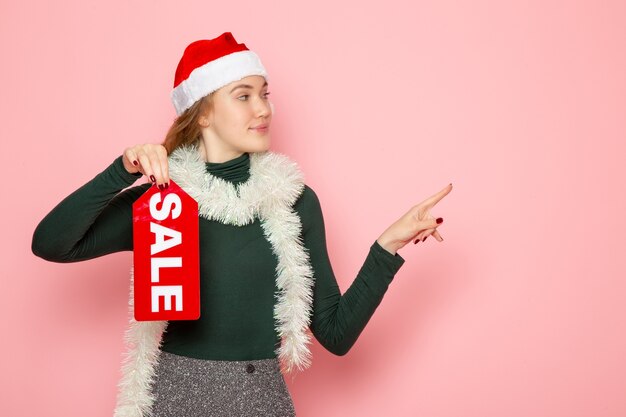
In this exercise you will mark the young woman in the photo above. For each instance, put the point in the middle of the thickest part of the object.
(266, 278)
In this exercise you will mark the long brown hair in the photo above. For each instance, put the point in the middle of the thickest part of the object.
(185, 130)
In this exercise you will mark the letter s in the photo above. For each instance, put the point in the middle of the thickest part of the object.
(169, 201)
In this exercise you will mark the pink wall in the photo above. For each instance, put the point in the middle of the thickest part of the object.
(521, 105)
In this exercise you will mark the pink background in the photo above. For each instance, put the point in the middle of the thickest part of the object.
(521, 105)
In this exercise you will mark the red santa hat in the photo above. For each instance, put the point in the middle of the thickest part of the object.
(207, 65)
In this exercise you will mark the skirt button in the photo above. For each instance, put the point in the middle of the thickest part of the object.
(250, 368)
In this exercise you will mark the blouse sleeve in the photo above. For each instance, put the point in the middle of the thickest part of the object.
(338, 320)
(94, 220)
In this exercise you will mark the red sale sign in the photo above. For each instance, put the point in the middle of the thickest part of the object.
(166, 255)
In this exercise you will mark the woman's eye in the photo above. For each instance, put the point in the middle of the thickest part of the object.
(247, 95)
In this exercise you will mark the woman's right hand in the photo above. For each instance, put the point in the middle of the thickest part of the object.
(151, 160)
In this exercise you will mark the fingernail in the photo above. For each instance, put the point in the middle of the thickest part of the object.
(161, 187)
(416, 240)
(425, 239)
(167, 185)
(439, 220)
(135, 163)
(154, 180)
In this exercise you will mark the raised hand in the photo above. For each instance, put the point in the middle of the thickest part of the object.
(416, 224)
(151, 160)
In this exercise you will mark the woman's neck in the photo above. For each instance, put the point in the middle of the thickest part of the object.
(216, 155)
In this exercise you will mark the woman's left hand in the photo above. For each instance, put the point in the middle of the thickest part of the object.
(416, 224)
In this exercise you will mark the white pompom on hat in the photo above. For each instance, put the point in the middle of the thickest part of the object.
(207, 65)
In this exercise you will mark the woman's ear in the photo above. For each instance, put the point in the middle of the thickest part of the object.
(204, 121)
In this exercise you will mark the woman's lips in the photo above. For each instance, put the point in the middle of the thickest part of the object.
(261, 128)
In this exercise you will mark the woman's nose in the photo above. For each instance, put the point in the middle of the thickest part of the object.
(264, 109)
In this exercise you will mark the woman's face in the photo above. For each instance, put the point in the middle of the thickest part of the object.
(238, 108)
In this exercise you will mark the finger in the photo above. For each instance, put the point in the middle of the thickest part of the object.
(425, 227)
(421, 236)
(144, 161)
(429, 224)
(437, 236)
(155, 163)
(419, 239)
(131, 156)
(435, 198)
(424, 233)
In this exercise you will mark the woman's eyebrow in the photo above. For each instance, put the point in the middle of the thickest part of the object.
(245, 86)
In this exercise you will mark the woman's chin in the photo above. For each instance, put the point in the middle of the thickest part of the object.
(260, 146)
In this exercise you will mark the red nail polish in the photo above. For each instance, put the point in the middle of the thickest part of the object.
(152, 178)
(416, 240)
(425, 239)
(167, 185)
(439, 220)
(161, 187)
(135, 163)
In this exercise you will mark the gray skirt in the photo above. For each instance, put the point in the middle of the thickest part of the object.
(192, 387)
